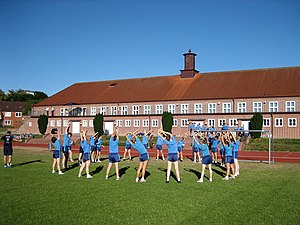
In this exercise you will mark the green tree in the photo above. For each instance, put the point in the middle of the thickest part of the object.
(2, 95)
(167, 121)
(42, 123)
(98, 123)
(256, 123)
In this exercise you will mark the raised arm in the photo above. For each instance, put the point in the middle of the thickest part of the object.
(128, 139)
(159, 132)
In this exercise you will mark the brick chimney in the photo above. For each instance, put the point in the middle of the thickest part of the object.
(189, 65)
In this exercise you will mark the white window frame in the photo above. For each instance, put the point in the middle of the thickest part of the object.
(159, 109)
(91, 123)
(212, 108)
(58, 123)
(175, 122)
(154, 123)
(147, 109)
(294, 123)
(102, 110)
(146, 123)
(184, 122)
(226, 107)
(198, 108)
(290, 106)
(256, 107)
(136, 123)
(171, 108)
(7, 114)
(232, 122)
(278, 122)
(221, 122)
(84, 123)
(266, 122)
(93, 111)
(119, 123)
(52, 123)
(83, 111)
(30, 124)
(113, 110)
(135, 110)
(242, 107)
(127, 123)
(7, 122)
(273, 106)
(64, 112)
(18, 114)
(184, 108)
(65, 123)
(124, 110)
(211, 122)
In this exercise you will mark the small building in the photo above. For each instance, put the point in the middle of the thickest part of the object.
(214, 98)
(11, 114)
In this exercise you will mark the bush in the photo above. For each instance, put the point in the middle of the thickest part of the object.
(167, 121)
(42, 123)
(256, 123)
(98, 124)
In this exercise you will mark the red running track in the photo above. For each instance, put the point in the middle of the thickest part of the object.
(289, 157)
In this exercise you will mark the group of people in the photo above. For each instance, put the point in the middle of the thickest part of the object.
(205, 145)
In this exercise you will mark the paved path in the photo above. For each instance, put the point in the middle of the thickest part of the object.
(290, 157)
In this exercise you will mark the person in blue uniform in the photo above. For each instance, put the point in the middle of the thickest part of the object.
(146, 138)
(66, 147)
(86, 156)
(236, 147)
(128, 148)
(114, 157)
(93, 139)
(196, 150)
(144, 156)
(7, 148)
(171, 142)
(56, 153)
(99, 146)
(214, 148)
(229, 161)
(180, 145)
(159, 144)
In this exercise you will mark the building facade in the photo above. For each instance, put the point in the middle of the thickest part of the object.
(11, 114)
(214, 98)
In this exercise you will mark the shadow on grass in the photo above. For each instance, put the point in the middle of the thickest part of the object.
(123, 170)
(171, 174)
(221, 173)
(147, 174)
(124, 159)
(198, 174)
(190, 158)
(97, 170)
(26, 163)
(73, 166)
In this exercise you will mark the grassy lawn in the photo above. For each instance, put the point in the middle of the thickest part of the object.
(284, 145)
(30, 194)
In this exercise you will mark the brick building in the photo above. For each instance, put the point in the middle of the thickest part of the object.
(215, 98)
(11, 113)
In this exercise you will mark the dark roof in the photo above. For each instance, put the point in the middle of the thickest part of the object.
(11, 106)
(275, 82)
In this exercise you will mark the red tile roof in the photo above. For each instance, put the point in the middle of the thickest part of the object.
(7, 106)
(275, 82)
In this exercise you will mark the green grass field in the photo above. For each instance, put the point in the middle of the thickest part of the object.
(30, 194)
(279, 144)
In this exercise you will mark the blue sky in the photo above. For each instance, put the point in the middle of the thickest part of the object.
(49, 45)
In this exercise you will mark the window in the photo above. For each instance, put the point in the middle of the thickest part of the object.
(211, 122)
(7, 114)
(124, 110)
(232, 122)
(119, 123)
(93, 111)
(197, 108)
(184, 123)
(241, 107)
(159, 109)
(91, 123)
(58, 123)
(135, 110)
(7, 122)
(52, 123)
(136, 123)
(145, 123)
(212, 108)
(273, 106)
(64, 112)
(113, 110)
(127, 123)
(184, 108)
(292, 122)
(266, 122)
(278, 122)
(66, 123)
(154, 123)
(175, 122)
(226, 107)
(147, 109)
(257, 106)
(30, 124)
(84, 123)
(83, 111)
(290, 106)
(221, 122)
(18, 114)
(171, 108)
(102, 110)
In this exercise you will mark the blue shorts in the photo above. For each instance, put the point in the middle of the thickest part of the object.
(195, 149)
(56, 154)
(86, 157)
(236, 154)
(128, 146)
(98, 148)
(158, 147)
(144, 157)
(93, 148)
(180, 149)
(222, 151)
(114, 157)
(173, 157)
(229, 159)
(7, 150)
(214, 149)
(80, 149)
(66, 148)
(206, 160)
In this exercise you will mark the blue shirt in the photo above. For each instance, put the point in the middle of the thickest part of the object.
(225, 127)
(92, 141)
(99, 143)
(215, 143)
(195, 143)
(203, 127)
(85, 147)
(139, 146)
(145, 140)
(130, 137)
(228, 150)
(204, 149)
(67, 140)
(159, 141)
(113, 145)
(57, 145)
(197, 128)
(180, 143)
(236, 145)
(172, 145)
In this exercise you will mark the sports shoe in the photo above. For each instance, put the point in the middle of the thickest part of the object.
(179, 181)
(167, 181)
(5, 165)
(72, 160)
(156, 159)
(163, 159)
(200, 181)
(89, 176)
(225, 178)
(60, 173)
(79, 175)
(142, 180)
(118, 178)
(106, 177)
(53, 171)
(137, 180)
(194, 161)
(210, 179)
(99, 160)
(232, 177)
